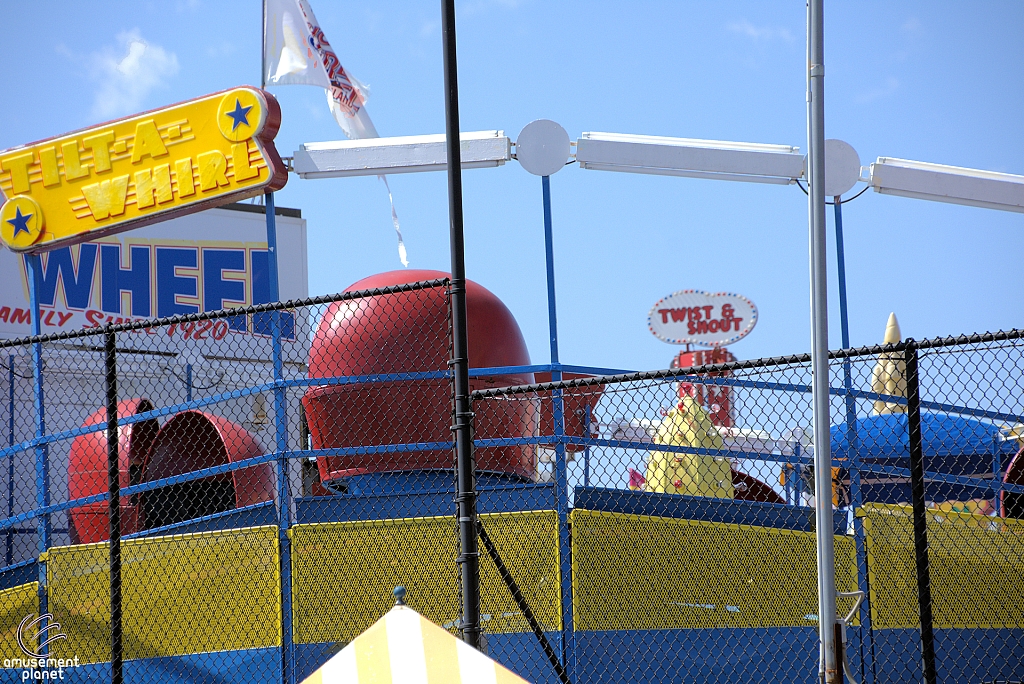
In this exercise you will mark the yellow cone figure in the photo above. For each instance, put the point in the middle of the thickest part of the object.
(405, 648)
(889, 374)
(688, 425)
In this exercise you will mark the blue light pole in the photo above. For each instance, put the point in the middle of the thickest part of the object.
(35, 276)
(854, 451)
(561, 466)
(542, 149)
(549, 261)
(281, 444)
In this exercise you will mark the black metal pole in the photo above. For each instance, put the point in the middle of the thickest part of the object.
(462, 425)
(114, 489)
(917, 493)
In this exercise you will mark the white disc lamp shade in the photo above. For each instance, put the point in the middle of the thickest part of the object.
(542, 147)
(842, 168)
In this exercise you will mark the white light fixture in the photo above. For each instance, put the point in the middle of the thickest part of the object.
(715, 159)
(407, 154)
(543, 147)
(941, 183)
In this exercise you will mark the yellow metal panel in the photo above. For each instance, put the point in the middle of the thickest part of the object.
(643, 572)
(79, 597)
(15, 604)
(192, 593)
(343, 573)
(528, 544)
(974, 560)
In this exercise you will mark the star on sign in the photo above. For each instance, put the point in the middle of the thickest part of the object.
(20, 222)
(240, 114)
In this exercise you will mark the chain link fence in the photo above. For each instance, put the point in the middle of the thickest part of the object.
(685, 503)
(277, 470)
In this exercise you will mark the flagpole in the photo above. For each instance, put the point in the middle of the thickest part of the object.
(465, 465)
(263, 48)
(263, 86)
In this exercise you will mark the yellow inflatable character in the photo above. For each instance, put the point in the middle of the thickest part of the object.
(688, 424)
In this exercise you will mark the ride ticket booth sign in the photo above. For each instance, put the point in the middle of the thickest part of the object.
(139, 170)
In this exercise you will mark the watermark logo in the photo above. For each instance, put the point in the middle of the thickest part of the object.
(38, 665)
(43, 637)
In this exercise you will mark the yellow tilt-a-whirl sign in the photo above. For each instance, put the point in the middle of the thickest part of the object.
(139, 170)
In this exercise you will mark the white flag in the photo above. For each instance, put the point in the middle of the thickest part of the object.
(297, 53)
(289, 55)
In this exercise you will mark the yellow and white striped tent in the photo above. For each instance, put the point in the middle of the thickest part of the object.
(406, 648)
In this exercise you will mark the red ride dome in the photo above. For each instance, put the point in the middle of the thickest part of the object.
(196, 440)
(403, 333)
(87, 471)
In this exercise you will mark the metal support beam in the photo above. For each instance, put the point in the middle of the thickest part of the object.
(469, 558)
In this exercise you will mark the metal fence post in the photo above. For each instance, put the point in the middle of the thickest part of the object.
(463, 427)
(917, 489)
(114, 506)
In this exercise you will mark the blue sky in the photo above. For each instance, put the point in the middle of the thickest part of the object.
(936, 81)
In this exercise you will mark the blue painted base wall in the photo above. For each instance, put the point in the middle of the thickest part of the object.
(635, 657)
(698, 655)
(226, 667)
(961, 655)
